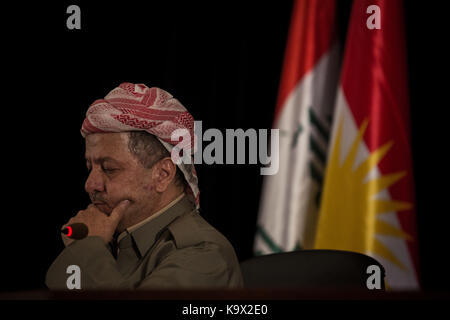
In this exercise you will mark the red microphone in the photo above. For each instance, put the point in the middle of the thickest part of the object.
(76, 231)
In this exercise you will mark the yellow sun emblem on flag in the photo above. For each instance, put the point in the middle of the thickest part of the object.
(350, 212)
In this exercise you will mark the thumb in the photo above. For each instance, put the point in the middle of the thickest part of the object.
(119, 210)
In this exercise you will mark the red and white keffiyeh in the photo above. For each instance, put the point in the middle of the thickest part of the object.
(136, 107)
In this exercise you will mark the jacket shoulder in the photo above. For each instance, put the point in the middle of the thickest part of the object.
(186, 230)
(191, 229)
(197, 241)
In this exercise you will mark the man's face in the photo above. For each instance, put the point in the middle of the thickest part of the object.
(116, 175)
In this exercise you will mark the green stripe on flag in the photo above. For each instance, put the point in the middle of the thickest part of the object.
(296, 134)
(315, 148)
(297, 246)
(320, 128)
(260, 230)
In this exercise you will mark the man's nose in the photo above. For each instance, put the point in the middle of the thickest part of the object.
(94, 182)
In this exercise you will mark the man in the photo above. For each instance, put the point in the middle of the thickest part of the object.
(144, 228)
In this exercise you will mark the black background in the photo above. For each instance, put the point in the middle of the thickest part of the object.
(222, 60)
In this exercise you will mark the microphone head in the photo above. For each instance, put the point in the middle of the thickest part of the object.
(76, 231)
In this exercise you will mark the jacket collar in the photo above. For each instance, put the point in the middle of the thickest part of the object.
(146, 235)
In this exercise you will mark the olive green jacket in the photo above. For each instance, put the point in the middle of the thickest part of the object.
(176, 249)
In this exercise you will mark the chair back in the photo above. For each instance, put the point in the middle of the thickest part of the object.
(313, 269)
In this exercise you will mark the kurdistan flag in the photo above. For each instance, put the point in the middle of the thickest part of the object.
(368, 200)
(290, 198)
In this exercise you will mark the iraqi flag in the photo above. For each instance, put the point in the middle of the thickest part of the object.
(368, 197)
(290, 198)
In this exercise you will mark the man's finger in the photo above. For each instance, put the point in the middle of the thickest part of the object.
(118, 210)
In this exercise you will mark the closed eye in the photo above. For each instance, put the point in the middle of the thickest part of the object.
(109, 170)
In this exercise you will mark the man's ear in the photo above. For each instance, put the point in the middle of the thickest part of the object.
(163, 174)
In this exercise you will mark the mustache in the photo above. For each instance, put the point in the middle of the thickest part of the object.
(96, 197)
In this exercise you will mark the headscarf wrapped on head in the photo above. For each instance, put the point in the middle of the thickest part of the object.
(136, 107)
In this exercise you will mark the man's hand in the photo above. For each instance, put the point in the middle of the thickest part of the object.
(98, 223)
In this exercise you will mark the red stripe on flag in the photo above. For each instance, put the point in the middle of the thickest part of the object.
(311, 34)
(374, 81)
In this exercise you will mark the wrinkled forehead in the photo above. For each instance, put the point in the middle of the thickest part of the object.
(107, 145)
